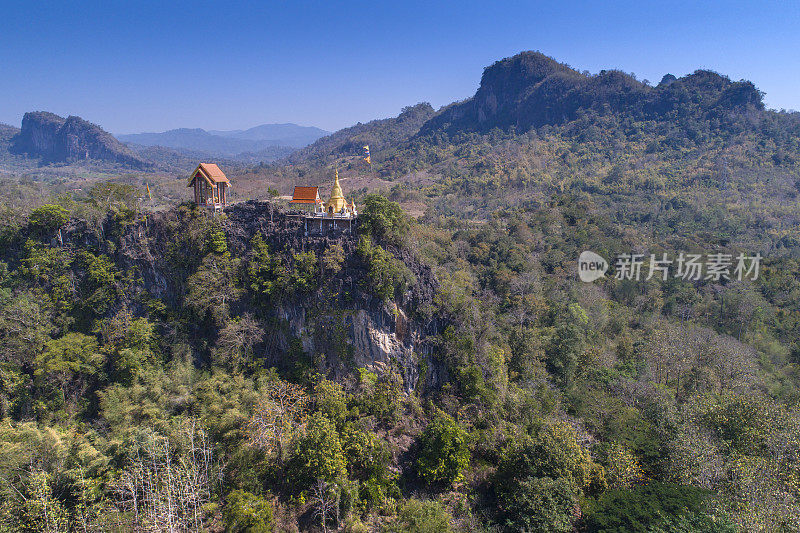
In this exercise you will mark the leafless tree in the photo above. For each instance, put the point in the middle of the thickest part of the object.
(325, 500)
(279, 414)
(165, 486)
(236, 340)
(696, 358)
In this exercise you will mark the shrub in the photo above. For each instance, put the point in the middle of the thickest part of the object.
(566, 344)
(305, 271)
(383, 219)
(246, 512)
(540, 504)
(317, 454)
(368, 460)
(217, 242)
(386, 274)
(538, 482)
(381, 398)
(331, 401)
(367, 454)
(443, 451)
(267, 276)
(418, 516)
(70, 362)
(552, 452)
(48, 217)
(640, 508)
(622, 467)
(332, 258)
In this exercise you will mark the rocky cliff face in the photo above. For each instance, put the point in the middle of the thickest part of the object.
(531, 90)
(340, 326)
(381, 336)
(56, 139)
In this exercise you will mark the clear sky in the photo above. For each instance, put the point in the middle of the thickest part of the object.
(150, 66)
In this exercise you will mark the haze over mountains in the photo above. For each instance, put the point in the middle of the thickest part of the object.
(47, 139)
(273, 138)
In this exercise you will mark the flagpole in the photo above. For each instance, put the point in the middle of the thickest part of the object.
(367, 157)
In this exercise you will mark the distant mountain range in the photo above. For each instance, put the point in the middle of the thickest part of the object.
(284, 134)
(528, 93)
(287, 137)
(46, 139)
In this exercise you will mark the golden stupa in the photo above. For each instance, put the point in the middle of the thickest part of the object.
(336, 203)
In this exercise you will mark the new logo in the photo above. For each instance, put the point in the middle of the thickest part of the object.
(591, 266)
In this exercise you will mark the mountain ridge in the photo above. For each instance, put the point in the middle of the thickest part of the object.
(55, 139)
(228, 143)
(377, 134)
(531, 90)
(284, 131)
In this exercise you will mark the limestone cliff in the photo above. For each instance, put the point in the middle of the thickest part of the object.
(340, 325)
(531, 90)
(55, 139)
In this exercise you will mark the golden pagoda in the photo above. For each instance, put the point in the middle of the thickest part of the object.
(337, 202)
(337, 214)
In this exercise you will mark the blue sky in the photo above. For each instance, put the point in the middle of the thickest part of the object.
(152, 66)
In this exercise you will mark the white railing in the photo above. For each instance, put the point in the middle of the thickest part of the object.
(338, 216)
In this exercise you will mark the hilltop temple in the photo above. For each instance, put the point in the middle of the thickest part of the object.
(319, 216)
(210, 186)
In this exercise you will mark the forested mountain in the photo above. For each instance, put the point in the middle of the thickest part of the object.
(51, 138)
(531, 93)
(531, 90)
(377, 134)
(7, 135)
(180, 161)
(449, 372)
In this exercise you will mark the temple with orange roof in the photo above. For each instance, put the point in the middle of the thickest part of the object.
(307, 198)
(336, 213)
(210, 186)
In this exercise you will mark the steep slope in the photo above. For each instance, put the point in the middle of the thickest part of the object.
(11, 162)
(334, 307)
(378, 134)
(530, 90)
(54, 139)
(7, 132)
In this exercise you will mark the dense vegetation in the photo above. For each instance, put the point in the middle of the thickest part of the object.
(154, 374)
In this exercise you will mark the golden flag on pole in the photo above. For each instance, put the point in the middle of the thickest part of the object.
(148, 191)
(366, 155)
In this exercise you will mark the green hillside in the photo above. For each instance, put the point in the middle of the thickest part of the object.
(446, 372)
